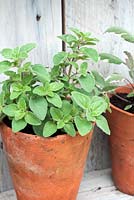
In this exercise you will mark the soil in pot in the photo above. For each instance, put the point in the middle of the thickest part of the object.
(29, 130)
(121, 101)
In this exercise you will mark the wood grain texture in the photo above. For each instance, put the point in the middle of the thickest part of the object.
(36, 21)
(99, 156)
(5, 180)
(96, 16)
(19, 24)
(96, 185)
(22, 22)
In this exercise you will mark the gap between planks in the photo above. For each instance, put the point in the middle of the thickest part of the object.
(96, 185)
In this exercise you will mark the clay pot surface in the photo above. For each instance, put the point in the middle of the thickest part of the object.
(45, 168)
(122, 146)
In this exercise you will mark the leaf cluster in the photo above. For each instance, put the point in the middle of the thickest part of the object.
(67, 97)
(129, 61)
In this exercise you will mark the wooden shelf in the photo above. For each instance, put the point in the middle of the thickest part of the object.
(97, 185)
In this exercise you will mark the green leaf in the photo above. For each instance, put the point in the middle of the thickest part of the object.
(17, 87)
(74, 64)
(10, 73)
(83, 68)
(67, 118)
(128, 107)
(49, 129)
(102, 124)
(65, 78)
(14, 95)
(128, 37)
(10, 110)
(15, 54)
(87, 82)
(55, 71)
(114, 77)
(117, 30)
(43, 90)
(38, 130)
(98, 106)
(60, 124)
(131, 73)
(131, 94)
(129, 60)
(76, 31)
(89, 116)
(22, 55)
(55, 100)
(26, 88)
(69, 129)
(97, 91)
(27, 79)
(99, 80)
(2, 98)
(55, 86)
(72, 55)
(124, 34)
(27, 47)
(66, 107)
(68, 38)
(22, 104)
(27, 66)
(56, 113)
(19, 114)
(59, 58)
(110, 58)
(6, 87)
(83, 126)
(7, 53)
(81, 100)
(90, 53)
(41, 72)
(30, 118)
(18, 125)
(39, 90)
(109, 88)
(5, 66)
(39, 106)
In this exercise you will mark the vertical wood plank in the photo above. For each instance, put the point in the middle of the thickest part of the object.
(26, 21)
(36, 21)
(96, 16)
(5, 179)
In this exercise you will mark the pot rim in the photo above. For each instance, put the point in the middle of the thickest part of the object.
(37, 137)
(118, 109)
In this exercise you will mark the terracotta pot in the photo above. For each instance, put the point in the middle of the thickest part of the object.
(45, 168)
(122, 146)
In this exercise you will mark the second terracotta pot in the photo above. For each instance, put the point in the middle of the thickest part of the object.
(122, 146)
(45, 169)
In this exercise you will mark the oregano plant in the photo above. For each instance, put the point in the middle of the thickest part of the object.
(129, 62)
(68, 97)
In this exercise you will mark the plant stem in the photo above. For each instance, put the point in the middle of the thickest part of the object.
(130, 83)
(69, 71)
(123, 99)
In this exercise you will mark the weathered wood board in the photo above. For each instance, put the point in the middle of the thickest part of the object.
(96, 16)
(22, 22)
(5, 180)
(96, 185)
(40, 21)
(36, 21)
